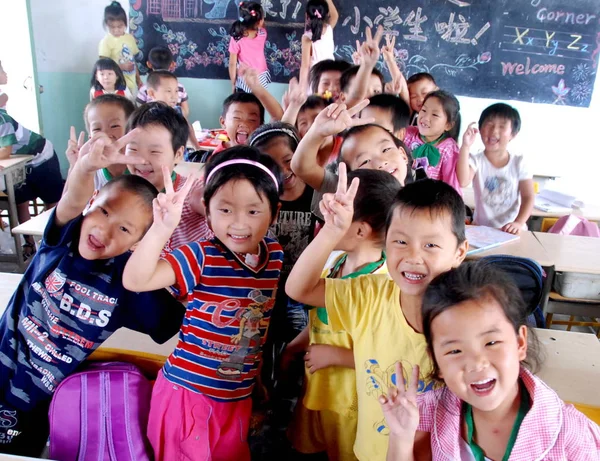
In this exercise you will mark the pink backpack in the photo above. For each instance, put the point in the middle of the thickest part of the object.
(574, 225)
(101, 414)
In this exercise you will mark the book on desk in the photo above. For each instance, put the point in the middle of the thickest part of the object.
(482, 238)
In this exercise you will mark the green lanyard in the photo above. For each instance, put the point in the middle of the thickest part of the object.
(429, 150)
(523, 408)
(366, 269)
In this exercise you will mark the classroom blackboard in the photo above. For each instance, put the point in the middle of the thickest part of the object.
(541, 51)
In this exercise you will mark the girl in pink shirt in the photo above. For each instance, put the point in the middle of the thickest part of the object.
(493, 407)
(434, 139)
(247, 46)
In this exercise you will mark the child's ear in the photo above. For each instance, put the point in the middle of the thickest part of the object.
(276, 214)
(222, 122)
(364, 230)
(151, 92)
(94, 195)
(522, 342)
(400, 134)
(148, 65)
(179, 154)
(461, 253)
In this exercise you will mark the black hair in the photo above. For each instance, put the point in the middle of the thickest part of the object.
(351, 72)
(160, 58)
(317, 17)
(243, 98)
(156, 76)
(374, 197)
(324, 66)
(477, 281)
(108, 64)
(356, 130)
(249, 15)
(262, 182)
(160, 114)
(436, 197)
(397, 107)
(502, 111)
(314, 101)
(114, 12)
(138, 186)
(265, 134)
(420, 76)
(124, 104)
(451, 108)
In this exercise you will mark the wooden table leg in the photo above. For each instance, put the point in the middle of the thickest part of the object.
(14, 218)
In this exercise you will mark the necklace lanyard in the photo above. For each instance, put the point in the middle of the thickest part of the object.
(366, 269)
(523, 408)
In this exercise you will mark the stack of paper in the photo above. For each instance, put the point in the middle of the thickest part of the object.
(483, 238)
(552, 201)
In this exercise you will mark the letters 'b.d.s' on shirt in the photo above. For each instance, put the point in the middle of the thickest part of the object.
(368, 308)
(229, 308)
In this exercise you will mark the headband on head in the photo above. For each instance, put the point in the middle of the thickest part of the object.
(243, 161)
(275, 130)
(318, 14)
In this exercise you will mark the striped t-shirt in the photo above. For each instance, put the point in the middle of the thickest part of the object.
(23, 141)
(228, 313)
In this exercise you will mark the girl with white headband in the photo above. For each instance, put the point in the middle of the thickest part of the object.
(201, 402)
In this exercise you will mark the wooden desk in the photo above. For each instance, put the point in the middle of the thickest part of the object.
(186, 168)
(122, 339)
(35, 226)
(572, 253)
(13, 170)
(527, 246)
(590, 212)
(572, 365)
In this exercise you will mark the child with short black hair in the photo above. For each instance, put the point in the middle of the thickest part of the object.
(324, 78)
(121, 46)
(230, 283)
(71, 299)
(425, 236)
(161, 58)
(375, 85)
(326, 417)
(491, 405)
(364, 145)
(503, 186)
(242, 114)
(164, 133)
(106, 114)
(163, 86)
(108, 78)
(419, 86)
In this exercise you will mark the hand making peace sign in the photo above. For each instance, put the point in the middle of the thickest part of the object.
(338, 208)
(336, 118)
(74, 146)
(400, 405)
(101, 152)
(167, 206)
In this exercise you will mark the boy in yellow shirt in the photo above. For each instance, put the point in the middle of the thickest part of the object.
(425, 236)
(326, 418)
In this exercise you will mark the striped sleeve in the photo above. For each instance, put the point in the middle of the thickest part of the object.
(8, 135)
(187, 262)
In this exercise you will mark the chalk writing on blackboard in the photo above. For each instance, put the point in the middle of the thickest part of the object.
(532, 50)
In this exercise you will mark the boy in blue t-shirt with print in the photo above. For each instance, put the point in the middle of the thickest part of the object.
(71, 297)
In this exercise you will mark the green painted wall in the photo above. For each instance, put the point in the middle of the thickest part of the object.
(67, 93)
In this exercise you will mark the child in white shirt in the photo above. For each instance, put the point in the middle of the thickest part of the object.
(502, 184)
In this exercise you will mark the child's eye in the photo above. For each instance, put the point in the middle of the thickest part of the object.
(124, 229)
(386, 150)
(104, 212)
(237, 119)
(492, 343)
(224, 210)
(435, 115)
(431, 245)
(453, 352)
(400, 242)
(254, 212)
(116, 126)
